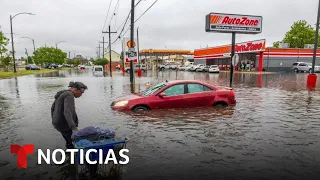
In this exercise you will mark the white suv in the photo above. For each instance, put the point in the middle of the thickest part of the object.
(304, 67)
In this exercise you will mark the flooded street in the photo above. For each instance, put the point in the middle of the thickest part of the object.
(272, 133)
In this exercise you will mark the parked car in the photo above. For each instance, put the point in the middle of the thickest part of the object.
(187, 68)
(214, 69)
(200, 68)
(97, 70)
(195, 67)
(136, 68)
(176, 94)
(304, 67)
(173, 66)
(32, 67)
(164, 66)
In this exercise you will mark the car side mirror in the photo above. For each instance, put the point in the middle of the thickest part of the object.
(162, 95)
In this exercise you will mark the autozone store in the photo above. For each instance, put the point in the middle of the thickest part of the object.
(254, 56)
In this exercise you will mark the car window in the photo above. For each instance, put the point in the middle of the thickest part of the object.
(152, 90)
(175, 90)
(194, 88)
(302, 64)
(294, 64)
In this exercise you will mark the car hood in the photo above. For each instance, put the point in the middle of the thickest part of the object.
(127, 98)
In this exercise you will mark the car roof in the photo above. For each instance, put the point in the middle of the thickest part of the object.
(185, 81)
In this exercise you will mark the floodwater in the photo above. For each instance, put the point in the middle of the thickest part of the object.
(272, 133)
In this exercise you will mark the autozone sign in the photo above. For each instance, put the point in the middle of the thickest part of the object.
(247, 24)
(251, 46)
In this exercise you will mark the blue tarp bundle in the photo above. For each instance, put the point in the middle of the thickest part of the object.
(92, 133)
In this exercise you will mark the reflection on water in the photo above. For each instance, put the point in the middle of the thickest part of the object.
(272, 132)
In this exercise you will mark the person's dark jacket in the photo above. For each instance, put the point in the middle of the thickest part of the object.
(63, 112)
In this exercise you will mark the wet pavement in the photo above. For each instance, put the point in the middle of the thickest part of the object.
(272, 133)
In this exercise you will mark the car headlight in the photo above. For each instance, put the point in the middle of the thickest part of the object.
(121, 103)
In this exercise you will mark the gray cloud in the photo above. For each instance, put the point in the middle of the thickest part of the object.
(174, 24)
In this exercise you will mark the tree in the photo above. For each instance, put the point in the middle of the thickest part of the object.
(76, 62)
(6, 61)
(49, 55)
(3, 44)
(276, 44)
(301, 33)
(101, 61)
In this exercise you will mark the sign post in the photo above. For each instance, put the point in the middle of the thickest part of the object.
(233, 23)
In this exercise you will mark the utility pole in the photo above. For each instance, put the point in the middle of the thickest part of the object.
(138, 46)
(109, 32)
(14, 59)
(34, 47)
(131, 43)
(69, 54)
(312, 77)
(99, 50)
(27, 55)
(103, 42)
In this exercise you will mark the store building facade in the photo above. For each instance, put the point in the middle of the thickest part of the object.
(254, 56)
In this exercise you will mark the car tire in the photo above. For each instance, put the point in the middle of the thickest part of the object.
(220, 105)
(296, 70)
(140, 109)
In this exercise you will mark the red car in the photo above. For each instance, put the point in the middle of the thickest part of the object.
(176, 94)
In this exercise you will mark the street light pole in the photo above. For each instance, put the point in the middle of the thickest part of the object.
(312, 78)
(138, 47)
(14, 59)
(58, 43)
(13, 55)
(34, 47)
(131, 45)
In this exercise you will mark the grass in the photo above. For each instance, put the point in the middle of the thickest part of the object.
(11, 74)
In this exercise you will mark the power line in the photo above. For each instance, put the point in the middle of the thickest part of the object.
(105, 21)
(126, 20)
(115, 22)
(146, 10)
(107, 16)
(139, 17)
(114, 12)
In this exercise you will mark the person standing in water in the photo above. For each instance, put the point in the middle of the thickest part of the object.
(63, 112)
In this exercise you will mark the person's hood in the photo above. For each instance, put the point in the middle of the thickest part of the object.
(59, 93)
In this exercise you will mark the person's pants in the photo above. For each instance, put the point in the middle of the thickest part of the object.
(67, 136)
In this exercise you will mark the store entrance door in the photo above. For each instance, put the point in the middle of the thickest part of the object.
(247, 62)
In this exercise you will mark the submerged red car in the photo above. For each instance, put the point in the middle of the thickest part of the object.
(176, 94)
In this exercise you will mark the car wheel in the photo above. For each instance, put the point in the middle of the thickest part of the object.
(220, 105)
(296, 70)
(140, 109)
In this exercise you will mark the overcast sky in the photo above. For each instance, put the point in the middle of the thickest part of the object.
(171, 24)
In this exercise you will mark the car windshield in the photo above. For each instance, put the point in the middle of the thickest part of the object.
(98, 69)
(153, 89)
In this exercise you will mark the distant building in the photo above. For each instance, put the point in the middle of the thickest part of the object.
(115, 59)
(82, 59)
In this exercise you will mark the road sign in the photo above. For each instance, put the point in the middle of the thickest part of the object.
(129, 44)
(235, 59)
(132, 54)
